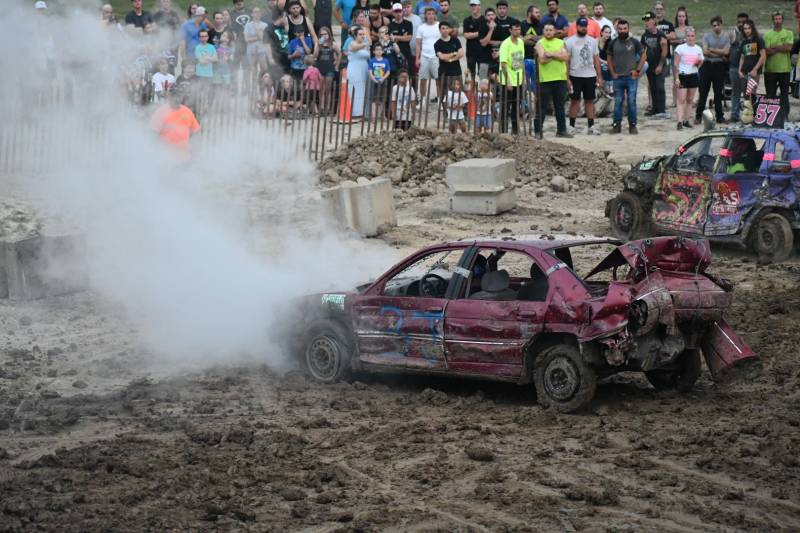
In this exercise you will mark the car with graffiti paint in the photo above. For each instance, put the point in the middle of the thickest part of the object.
(527, 310)
(734, 185)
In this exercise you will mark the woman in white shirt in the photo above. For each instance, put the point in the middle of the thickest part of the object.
(687, 61)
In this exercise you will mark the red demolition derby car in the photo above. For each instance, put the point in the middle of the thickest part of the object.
(517, 310)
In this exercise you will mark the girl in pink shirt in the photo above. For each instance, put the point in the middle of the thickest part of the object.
(312, 81)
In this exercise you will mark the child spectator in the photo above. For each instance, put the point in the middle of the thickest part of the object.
(222, 72)
(266, 96)
(456, 100)
(379, 70)
(484, 103)
(206, 55)
(403, 101)
(287, 96)
(328, 58)
(254, 37)
(188, 84)
(312, 81)
(299, 48)
(163, 81)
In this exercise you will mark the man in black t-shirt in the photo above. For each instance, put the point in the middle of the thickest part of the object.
(475, 29)
(657, 46)
(239, 17)
(531, 33)
(401, 31)
(449, 51)
(503, 21)
(138, 17)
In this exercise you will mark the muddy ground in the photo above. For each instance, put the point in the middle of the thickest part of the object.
(96, 433)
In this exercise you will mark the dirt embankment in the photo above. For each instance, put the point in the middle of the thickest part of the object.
(417, 159)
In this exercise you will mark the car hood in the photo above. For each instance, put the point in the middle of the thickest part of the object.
(678, 254)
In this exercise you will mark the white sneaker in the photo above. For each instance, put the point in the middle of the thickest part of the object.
(572, 130)
(593, 130)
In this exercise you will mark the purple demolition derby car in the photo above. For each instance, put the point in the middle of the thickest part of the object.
(735, 185)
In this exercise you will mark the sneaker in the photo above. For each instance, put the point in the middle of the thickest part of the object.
(539, 135)
(572, 130)
(697, 120)
(616, 128)
(722, 120)
(680, 125)
(592, 130)
(687, 124)
(434, 100)
(664, 115)
(564, 135)
(649, 113)
(633, 130)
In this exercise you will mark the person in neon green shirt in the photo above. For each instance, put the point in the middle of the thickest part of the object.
(778, 44)
(551, 56)
(512, 70)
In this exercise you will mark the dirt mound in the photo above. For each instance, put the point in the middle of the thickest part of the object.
(421, 157)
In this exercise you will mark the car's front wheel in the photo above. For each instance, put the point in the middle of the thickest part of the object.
(563, 379)
(681, 378)
(327, 352)
(627, 216)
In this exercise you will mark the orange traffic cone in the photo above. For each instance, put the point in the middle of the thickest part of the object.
(345, 109)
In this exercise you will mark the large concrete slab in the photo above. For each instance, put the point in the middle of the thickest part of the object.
(365, 206)
(485, 174)
(42, 266)
(489, 203)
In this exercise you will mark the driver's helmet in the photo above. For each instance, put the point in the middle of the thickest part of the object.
(741, 146)
(480, 267)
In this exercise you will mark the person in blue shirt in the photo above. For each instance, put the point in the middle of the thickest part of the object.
(379, 70)
(559, 21)
(343, 14)
(299, 48)
(190, 32)
(422, 5)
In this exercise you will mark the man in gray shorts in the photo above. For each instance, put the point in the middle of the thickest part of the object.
(427, 62)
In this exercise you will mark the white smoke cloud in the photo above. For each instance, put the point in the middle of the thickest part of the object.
(202, 254)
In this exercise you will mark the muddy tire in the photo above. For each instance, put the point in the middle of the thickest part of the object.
(627, 216)
(682, 378)
(326, 352)
(772, 238)
(563, 380)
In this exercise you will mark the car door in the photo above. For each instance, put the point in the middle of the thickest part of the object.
(397, 326)
(737, 185)
(488, 337)
(683, 192)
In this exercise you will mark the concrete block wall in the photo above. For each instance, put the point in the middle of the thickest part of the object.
(42, 266)
(482, 186)
(365, 206)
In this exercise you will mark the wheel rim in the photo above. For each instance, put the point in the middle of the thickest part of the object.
(624, 216)
(561, 379)
(767, 239)
(322, 357)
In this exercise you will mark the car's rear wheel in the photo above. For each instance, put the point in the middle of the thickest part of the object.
(627, 216)
(563, 380)
(681, 378)
(327, 352)
(773, 239)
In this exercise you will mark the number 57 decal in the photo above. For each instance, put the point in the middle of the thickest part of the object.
(767, 113)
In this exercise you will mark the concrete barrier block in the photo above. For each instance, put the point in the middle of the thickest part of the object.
(42, 266)
(365, 206)
(485, 174)
(483, 203)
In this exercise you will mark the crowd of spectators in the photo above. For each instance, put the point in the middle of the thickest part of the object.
(393, 56)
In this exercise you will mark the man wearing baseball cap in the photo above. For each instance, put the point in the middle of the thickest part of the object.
(190, 32)
(40, 5)
(475, 29)
(401, 31)
(657, 47)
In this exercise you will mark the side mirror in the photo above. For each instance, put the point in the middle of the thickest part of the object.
(780, 167)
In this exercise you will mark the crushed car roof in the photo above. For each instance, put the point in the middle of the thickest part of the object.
(542, 241)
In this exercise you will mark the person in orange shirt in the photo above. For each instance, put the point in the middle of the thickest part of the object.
(175, 123)
(593, 29)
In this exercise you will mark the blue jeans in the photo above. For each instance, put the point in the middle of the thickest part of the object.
(530, 75)
(737, 84)
(622, 84)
